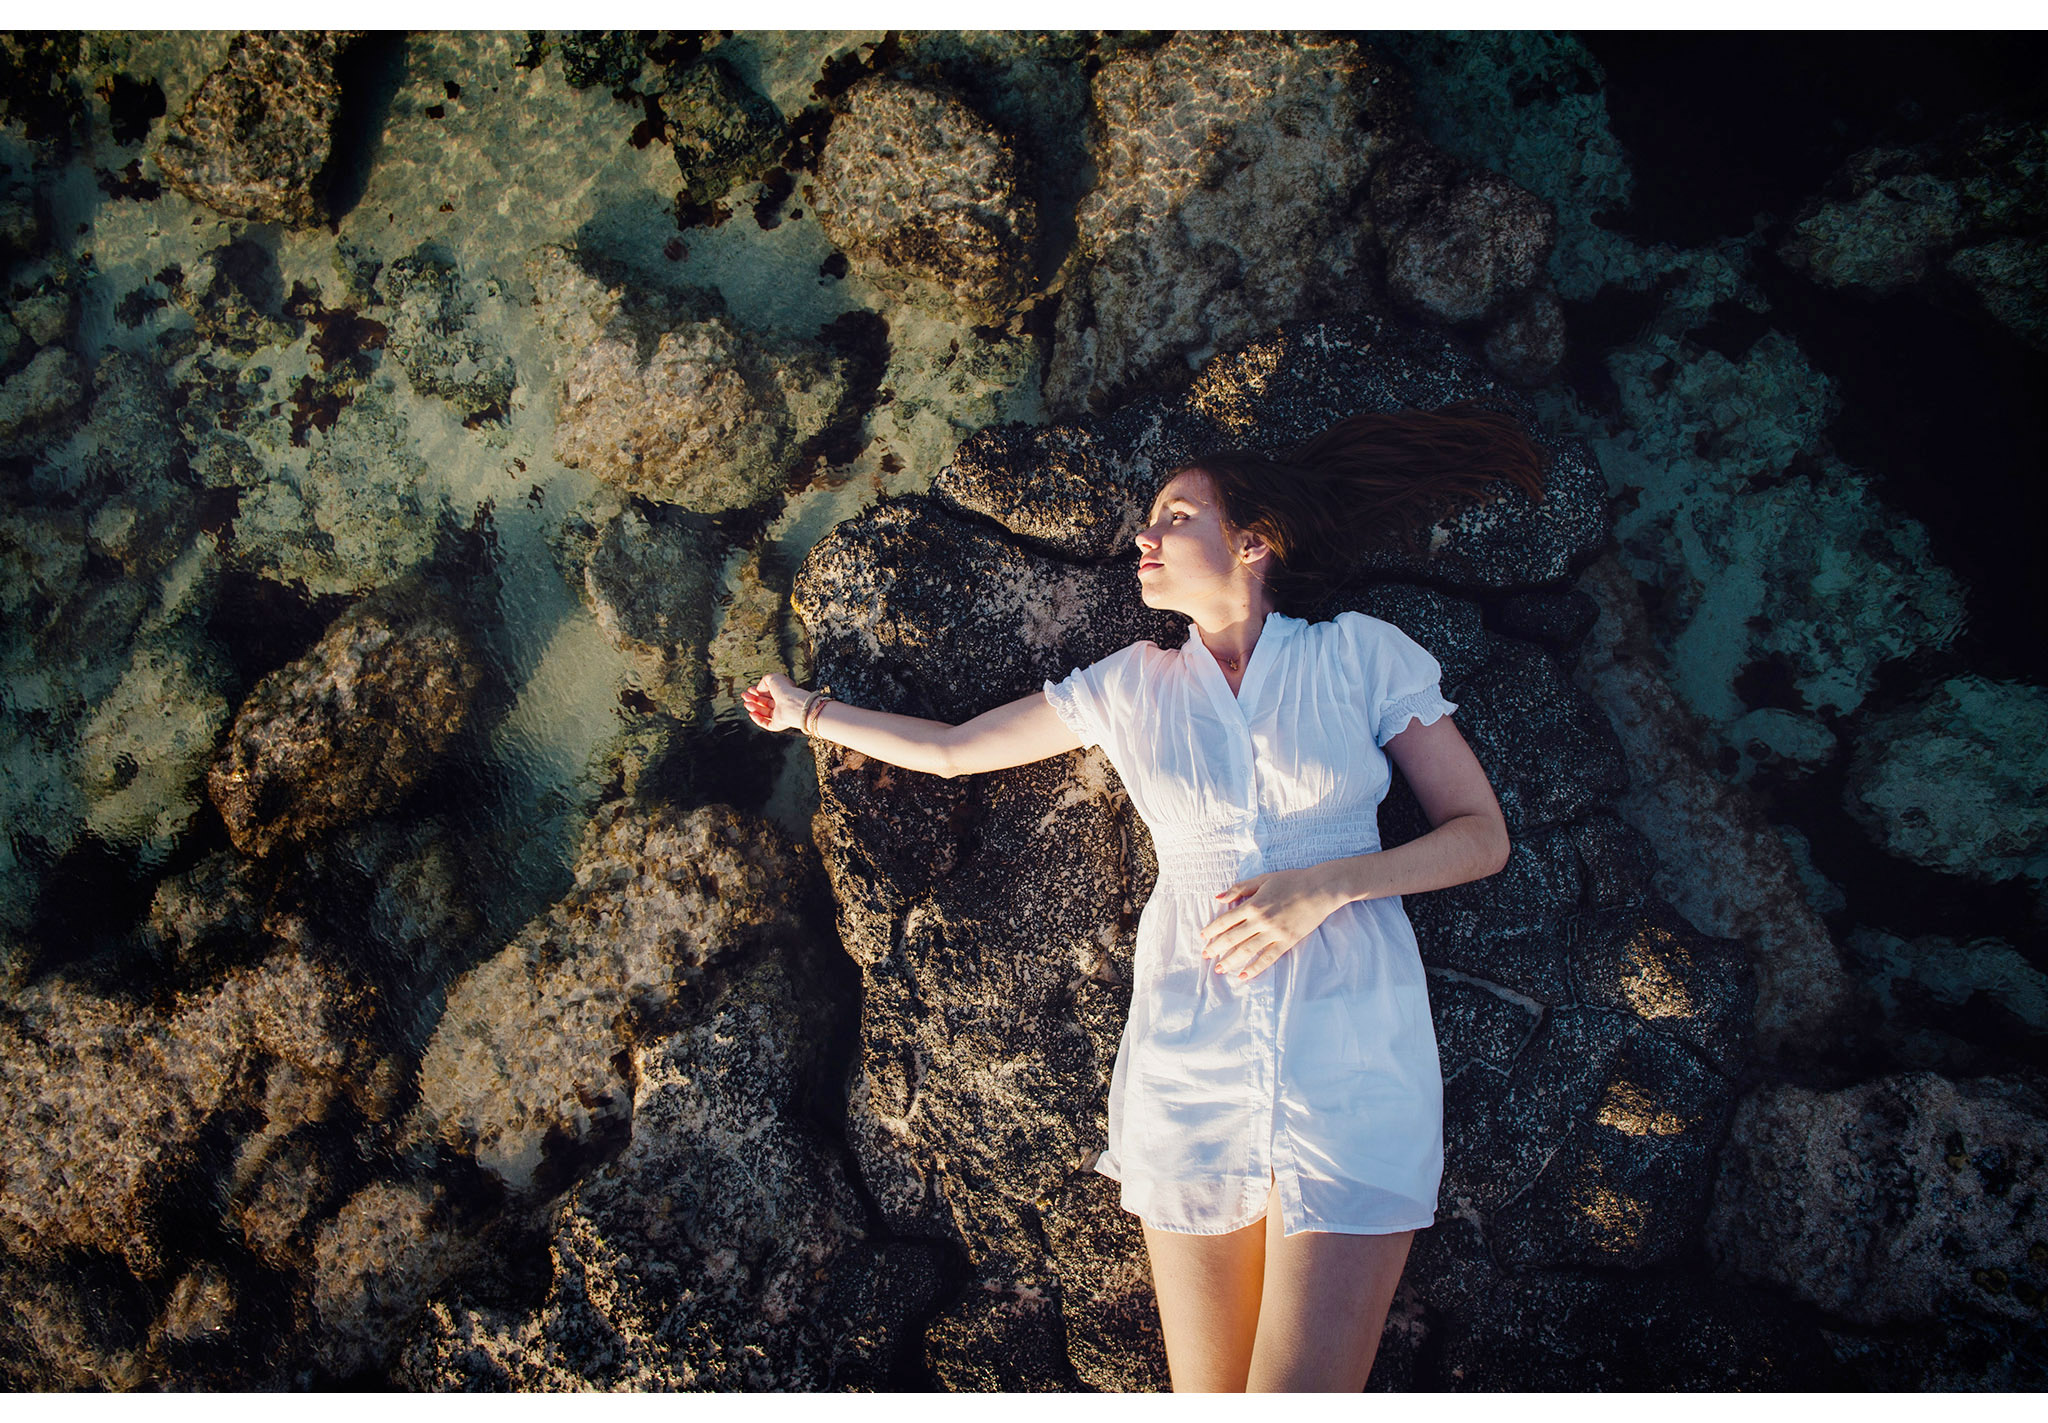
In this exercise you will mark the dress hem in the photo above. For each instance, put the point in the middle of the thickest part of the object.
(1320, 1228)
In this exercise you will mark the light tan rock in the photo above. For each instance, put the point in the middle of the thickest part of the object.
(913, 184)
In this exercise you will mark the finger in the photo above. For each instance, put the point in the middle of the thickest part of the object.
(1238, 951)
(1264, 961)
(1222, 929)
(1239, 892)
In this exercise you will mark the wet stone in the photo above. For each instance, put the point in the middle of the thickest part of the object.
(1911, 1197)
(350, 728)
(720, 128)
(255, 139)
(1460, 242)
(1228, 166)
(650, 579)
(914, 184)
(431, 315)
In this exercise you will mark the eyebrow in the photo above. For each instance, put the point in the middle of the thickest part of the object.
(1153, 512)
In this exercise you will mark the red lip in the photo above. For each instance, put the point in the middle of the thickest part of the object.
(1149, 563)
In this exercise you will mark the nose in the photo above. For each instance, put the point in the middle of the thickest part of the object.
(1146, 542)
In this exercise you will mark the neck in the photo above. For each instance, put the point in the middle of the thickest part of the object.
(1232, 634)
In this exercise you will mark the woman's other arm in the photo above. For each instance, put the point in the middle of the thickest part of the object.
(1027, 729)
(1262, 917)
(1468, 838)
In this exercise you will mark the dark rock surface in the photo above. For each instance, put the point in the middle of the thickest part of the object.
(37, 400)
(110, 1109)
(1080, 489)
(1460, 242)
(529, 1071)
(723, 1248)
(1963, 213)
(1590, 1036)
(350, 728)
(719, 128)
(650, 579)
(1902, 1199)
(432, 334)
(255, 140)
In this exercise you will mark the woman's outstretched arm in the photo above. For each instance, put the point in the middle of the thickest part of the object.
(1027, 729)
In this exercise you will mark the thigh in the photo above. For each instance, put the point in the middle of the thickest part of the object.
(1323, 1305)
(1208, 1289)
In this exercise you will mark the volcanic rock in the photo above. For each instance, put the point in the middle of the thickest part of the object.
(376, 1264)
(1590, 1034)
(1527, 343)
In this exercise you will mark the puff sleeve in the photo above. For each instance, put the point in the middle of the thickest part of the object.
(1092, 700)
(1399, 680)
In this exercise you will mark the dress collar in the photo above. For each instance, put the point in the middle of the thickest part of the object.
(1276, 629)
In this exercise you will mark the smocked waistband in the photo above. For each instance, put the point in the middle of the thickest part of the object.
(1205, 859)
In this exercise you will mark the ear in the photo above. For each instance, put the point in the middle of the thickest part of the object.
(1251, 548)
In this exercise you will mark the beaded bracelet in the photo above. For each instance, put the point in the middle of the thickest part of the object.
(813, 709)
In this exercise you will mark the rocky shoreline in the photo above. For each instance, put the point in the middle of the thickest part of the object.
(418, 975)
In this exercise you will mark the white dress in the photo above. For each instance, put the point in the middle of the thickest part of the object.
(1321, 1073)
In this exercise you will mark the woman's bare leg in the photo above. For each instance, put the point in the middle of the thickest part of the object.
(1208, 1288)
(1323, 1305)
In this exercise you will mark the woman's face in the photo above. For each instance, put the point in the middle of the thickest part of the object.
(1187, 560)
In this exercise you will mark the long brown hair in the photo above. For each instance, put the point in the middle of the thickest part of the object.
(1368, 481)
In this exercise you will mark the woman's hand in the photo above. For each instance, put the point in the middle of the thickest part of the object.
(775, 703)
(1265, 916)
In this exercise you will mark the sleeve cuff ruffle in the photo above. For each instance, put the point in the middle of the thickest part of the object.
(1068, 705)
(1425, 706)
